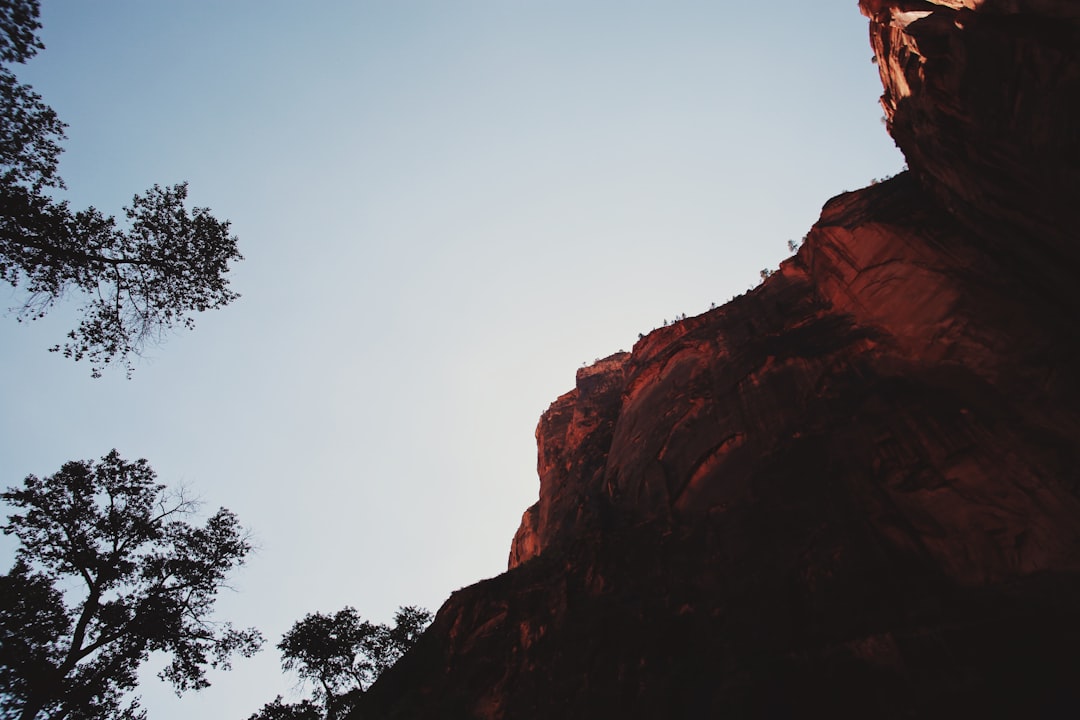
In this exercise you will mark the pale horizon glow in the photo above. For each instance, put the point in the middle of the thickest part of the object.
(445, 209)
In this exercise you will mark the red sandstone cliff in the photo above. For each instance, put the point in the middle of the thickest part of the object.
(850, 492)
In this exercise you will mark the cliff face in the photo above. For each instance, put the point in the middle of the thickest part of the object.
(893, 357)
(854, 491)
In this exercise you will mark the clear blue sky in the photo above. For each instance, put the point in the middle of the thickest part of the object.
(446, 208)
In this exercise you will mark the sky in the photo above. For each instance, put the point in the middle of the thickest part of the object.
(446, 207)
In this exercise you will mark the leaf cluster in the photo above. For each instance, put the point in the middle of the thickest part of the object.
(140, 278)
(279, 710)
(107, 572)
(138, 281)
(18, 30)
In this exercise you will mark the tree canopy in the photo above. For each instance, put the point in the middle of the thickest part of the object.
(342, 654)
(139, 278)
(107, 571)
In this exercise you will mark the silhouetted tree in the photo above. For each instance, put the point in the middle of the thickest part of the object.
(342, 654)
(107, 572)
(278, 710)
(139, 279)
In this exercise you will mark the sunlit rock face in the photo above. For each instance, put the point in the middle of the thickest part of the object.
(573, 442)
(851, 492)
(893, 359)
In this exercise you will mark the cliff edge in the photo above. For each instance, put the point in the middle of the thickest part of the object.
(853, 491)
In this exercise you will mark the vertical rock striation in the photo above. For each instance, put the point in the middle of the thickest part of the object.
(851, 492)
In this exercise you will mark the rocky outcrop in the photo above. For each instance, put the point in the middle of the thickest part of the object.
(983, 97)
(851, 492)
(573, 441)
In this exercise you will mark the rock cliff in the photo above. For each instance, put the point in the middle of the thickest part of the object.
(851, 492)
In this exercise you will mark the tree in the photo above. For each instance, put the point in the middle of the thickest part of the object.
(342, 654)
(106, 572)
(140, 279)
(278, 710)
